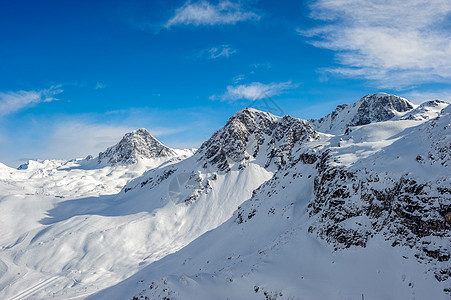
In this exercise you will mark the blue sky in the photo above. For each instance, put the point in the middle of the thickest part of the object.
(76, 75)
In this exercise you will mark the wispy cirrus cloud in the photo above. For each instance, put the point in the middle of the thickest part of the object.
(253, 90)
(203, 13)
(100, 85)
(218, 52)
(238, 78)
(394, 43)
(11, 102)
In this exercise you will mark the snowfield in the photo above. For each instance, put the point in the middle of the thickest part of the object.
(354, 205)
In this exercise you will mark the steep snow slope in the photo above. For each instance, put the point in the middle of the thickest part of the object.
(28, 194)
(370, 109)
(327, 216)
(88, 244)
(342, 219)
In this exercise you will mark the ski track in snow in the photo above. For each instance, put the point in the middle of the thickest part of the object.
(34, 289)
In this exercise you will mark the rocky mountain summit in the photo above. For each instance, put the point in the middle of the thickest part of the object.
(354, 204)
(253, 133)
(369, 109)
(138, 144)
(371, 185)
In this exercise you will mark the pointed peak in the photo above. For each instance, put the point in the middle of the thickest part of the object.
(251, 133)
(135, 145)
(371, 108)
(141, 131)
(251, 112)
(251, 115)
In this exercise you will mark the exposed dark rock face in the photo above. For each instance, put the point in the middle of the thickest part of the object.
(370, 109)
(378, 108)
(351, 206)
(252, 133)
(133, 146)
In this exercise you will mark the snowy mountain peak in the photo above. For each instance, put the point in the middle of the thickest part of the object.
(425, 111)
(135, 145)
(265, 197)
(253, 134)
(251, 117)
(371, 108)
(379, 107)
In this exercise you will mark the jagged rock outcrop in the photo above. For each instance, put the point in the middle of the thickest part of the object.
(377, 187)
(249, 137)
(135, 145)
(351, 205)
(369, 109)
(253, 133)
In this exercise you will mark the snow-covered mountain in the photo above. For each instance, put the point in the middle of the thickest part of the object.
(364, 214)
(163, 210)
(370, 109)
(28, 195)
(356, 203)
(137, 145)
(137, 152)
(425, 111)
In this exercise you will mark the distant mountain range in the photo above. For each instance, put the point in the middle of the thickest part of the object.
(354, 205)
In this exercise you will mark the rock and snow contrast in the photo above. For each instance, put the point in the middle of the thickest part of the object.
(354, 205)
(370, 109)
(138, 145)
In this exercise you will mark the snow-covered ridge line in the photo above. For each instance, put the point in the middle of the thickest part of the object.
(290, 211)
(386, 209)
(369, 109)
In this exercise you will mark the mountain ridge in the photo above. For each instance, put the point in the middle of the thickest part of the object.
(264, 197)
(369, 109)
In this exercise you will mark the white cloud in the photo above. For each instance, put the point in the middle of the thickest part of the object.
(205, 13)
(100, 85)
(217, 52)
(253, 91)
(238, 78)
(266, 65)
(396, 43)
(11, 102)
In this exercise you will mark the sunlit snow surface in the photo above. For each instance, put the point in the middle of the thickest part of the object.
(67, 230)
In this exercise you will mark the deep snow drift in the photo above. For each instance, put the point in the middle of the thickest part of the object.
(356, 203)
